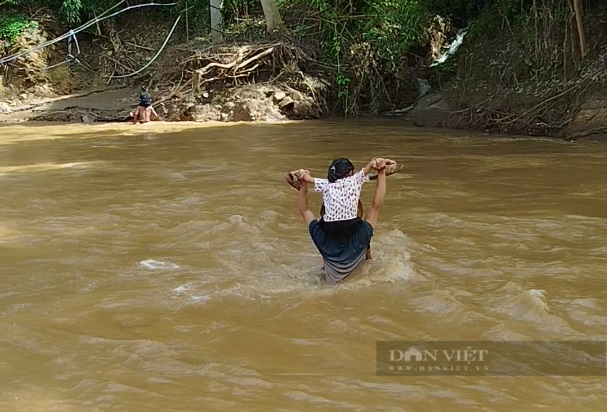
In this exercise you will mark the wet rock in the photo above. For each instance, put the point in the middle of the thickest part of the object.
(204, 113)
(247, 103)
(5, 108)
(431, 111)
(286, 103)
(279, 95)
(241, 112)
(303, 109)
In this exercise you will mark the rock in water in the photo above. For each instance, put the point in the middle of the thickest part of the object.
(431, 110)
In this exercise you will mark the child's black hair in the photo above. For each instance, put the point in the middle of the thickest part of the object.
(339, 169)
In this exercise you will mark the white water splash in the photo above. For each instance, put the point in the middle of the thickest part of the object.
(450, 51)
(157, 265)
(201, 299)
(181, 289)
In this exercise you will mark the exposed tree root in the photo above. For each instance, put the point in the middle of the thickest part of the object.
(199, 74)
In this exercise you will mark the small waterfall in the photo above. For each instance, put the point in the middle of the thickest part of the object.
(422, 84)
(452, 48)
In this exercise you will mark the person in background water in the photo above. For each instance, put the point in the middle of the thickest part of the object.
(144, 111)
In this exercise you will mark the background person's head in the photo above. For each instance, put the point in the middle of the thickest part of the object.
(339, 169)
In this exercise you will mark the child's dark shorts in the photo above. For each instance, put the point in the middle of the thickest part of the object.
(343, 244)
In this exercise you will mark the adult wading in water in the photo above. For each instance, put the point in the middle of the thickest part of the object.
(344, 252)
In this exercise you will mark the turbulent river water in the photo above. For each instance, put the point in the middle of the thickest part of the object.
(165, 268)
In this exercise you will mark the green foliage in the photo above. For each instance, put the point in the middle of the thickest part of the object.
(70, 11)
(497, 16)
(394, 26)
(520, 46)
(241, 8)
(462, 10)
(11, 27)
(369, 42)
(367, 45)
(358, 35)
(75, 12)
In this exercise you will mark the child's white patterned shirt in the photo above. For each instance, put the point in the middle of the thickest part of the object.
(341, 197)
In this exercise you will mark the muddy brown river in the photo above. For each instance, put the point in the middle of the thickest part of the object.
(165, 268)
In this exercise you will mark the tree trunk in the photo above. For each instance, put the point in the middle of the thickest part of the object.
(216, 20)
(577, 6)
(272, 15)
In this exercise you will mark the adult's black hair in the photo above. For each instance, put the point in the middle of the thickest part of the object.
(339, 169)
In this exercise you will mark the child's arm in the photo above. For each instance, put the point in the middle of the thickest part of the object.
(362, 176)
(319, 184)
(307, 177)
(370, 166)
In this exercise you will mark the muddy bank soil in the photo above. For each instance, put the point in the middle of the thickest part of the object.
(245, 103)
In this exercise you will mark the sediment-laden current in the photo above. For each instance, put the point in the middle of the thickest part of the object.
(165, 267)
